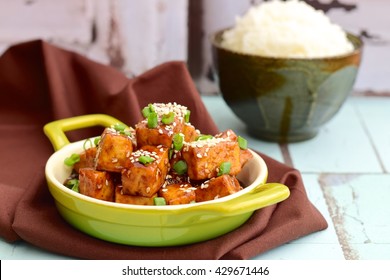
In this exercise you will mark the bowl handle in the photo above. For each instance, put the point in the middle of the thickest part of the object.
(55, 130)
(259, 197)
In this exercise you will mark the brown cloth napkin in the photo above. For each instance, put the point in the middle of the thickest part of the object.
(40, 83)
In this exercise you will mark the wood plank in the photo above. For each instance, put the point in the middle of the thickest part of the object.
(374, 114)
(359, 208)
(320, 245)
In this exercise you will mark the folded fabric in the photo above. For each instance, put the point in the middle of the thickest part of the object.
(39, 83)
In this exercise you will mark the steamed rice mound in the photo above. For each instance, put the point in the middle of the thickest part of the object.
(291, 29)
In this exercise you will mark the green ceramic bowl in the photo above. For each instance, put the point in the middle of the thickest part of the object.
(284, 99)
(152, 225)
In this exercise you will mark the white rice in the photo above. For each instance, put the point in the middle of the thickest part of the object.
(290, 29)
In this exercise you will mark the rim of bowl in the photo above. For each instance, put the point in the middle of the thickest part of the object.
(215, 39)
(72, 147)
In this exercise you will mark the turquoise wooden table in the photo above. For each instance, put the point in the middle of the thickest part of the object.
(346, 173)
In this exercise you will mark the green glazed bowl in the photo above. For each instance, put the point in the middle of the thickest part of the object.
(152, 226)
(284, 99)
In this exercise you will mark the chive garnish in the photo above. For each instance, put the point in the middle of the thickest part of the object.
(70, 161)
(97, 140)
(204, 137)
(242, 143)
(147, 110)
(187, 116)
(180, 167)
(120, 127)
(73, 184)
(152, 120)
(170, 153)
(224, 168)
(177, 141)
(159, 201)
(168, 118)
(87, 141)
(145, 160)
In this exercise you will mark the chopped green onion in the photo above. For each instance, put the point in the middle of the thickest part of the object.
(73, 184)
(159, 201)
(242, 143)
(177, 141)
(187, 116)
(97, 140)
(70, 161)
(147, 110)
(204, 137)
(224, 168)
(120, 127)
(87, 141)
(75, 188)
(180, 167)
(127, 132)
(145, 160)
(170, 153)
(168, 118)
(152, 120)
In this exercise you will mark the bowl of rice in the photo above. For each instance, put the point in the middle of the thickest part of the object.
(285, 69)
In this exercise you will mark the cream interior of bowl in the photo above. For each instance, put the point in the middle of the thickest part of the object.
(253, 174)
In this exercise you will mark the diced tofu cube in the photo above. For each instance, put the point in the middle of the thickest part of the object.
(204, 157)
(245, 155)
(178, 194)
(113, 150)
(217, 187)
(97, 184)
(190, 133)
(227, 134)
(120, 197)
(87, 159)
(163, 133)
(145, 179)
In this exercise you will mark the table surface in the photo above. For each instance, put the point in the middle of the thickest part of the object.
(345, 169)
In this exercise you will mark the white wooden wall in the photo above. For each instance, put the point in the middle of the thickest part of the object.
(131, 35)
(136, 35)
